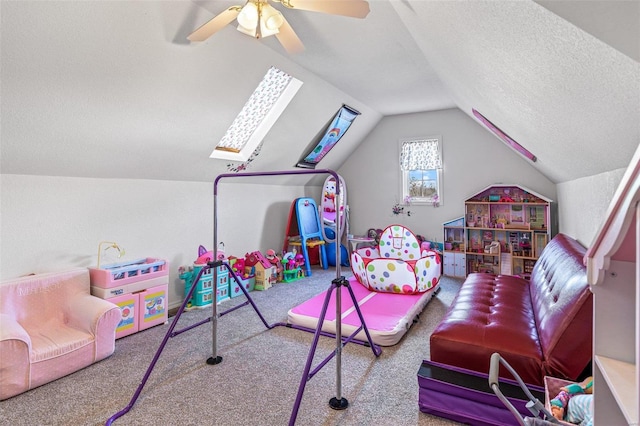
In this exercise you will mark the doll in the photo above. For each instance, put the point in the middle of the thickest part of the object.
(574, 403)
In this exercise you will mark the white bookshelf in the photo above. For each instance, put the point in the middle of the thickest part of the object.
(614, 276)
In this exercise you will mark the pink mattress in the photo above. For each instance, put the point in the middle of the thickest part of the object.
(388, 316)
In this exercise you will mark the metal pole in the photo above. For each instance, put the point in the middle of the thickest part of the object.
(215, 359)
(338, 402)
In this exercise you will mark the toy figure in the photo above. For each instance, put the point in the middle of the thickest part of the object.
(274, 259)
(574, 403)
(288, 261)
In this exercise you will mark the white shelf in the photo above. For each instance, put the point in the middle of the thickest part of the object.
(613, 271)
(621, 379)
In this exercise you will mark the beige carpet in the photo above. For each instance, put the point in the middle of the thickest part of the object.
(257, 381)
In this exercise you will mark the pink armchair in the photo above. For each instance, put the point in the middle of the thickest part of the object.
(51, 326)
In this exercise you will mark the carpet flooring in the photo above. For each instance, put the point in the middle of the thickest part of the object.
(257, 381)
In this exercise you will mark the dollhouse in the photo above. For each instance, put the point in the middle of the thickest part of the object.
(506, 227)
(265, 272)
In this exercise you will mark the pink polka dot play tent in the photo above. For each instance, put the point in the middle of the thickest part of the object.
(397, 265)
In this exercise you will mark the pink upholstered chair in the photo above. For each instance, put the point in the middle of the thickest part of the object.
(51, 326)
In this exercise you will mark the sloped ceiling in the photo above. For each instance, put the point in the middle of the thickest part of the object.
(113, 89)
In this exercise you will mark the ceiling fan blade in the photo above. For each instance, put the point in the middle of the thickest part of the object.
(352, 8)
(215, 24)
(289, 39)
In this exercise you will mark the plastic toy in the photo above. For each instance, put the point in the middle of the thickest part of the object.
(276, 261)
(292, 270)
(239, 267)
(331, 250)
(574, 403)
(205, 256)
(263, 269)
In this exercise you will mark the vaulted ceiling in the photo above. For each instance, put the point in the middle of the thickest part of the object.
(114, 89)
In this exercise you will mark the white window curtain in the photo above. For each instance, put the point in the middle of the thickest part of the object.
(422, 154)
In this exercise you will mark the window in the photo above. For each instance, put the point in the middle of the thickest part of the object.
(258, 115)
(421, 170)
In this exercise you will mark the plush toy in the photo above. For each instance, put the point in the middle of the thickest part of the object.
(574, 403)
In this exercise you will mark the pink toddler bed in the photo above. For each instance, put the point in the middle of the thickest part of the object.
(388, 315)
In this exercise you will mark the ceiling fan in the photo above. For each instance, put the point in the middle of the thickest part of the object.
(258, 19)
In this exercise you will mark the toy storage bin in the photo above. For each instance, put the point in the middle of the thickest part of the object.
(153, 307)
(118, 274)
(248, 283)
(141, 310)
(128, 304)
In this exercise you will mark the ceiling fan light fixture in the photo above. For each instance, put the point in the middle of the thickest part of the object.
(270, 18)
(248, 17)
(253, 32)
(259, 19)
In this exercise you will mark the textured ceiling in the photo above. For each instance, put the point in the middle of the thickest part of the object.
(113, 89)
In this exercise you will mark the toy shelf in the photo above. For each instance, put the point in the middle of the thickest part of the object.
(515, 218)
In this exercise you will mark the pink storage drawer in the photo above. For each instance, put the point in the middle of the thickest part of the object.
(118, 274)
(129, 306)
(153, 306)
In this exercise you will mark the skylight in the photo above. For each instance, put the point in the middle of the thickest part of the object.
(258, 115)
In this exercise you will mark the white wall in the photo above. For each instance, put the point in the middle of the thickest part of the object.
(473, 159)
(584, 203)
(55, 223)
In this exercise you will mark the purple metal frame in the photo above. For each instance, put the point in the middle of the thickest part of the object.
(338, 402)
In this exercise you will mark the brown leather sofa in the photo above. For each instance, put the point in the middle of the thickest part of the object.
(540, 327)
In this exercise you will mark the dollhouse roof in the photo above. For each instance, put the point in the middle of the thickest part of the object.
(455, 222)
(502, 186)
(260, 260)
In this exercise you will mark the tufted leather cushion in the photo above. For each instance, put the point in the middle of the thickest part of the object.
(563, 305)
(542, 327)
